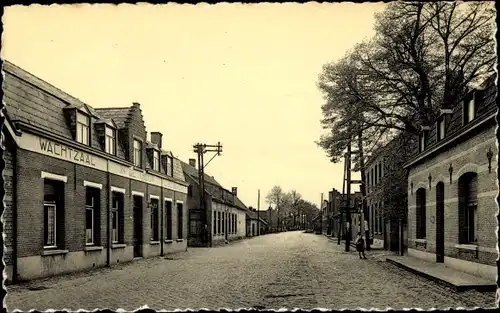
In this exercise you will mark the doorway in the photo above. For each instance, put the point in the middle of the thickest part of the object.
(440, 222)
(137, 241)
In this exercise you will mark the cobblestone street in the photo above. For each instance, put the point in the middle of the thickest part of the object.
(290, 270)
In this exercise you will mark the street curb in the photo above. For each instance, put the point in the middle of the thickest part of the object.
(457, 288)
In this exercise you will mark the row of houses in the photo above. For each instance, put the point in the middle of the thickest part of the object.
(448, 197)
(85, 188)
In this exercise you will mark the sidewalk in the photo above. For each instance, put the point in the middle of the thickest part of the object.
(438, 272)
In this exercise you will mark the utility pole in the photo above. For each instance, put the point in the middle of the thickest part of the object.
(200, 150)
(342, 204)
(321, 213)
(258, 213)
(348, 191)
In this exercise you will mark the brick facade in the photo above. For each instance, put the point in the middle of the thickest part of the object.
(468, 149)
(467, 156)
(46, 114)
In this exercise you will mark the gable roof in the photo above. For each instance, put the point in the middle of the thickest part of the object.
(485, 106)
(193, 173)
(119, 115)
(33, 102)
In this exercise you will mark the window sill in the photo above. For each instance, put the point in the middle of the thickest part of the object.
(420, 240)
(93, 248)
(138, 168)
(471, 247)
(179, 240)
(118, 245)
(155, 242)
(168, 241)
(54, 252)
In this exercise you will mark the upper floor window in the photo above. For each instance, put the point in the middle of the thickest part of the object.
(441, 128)
(169, 170)
(421, 140)
(156, 160)
(82, 128)
(469, 109)
(137, 153)
(110, 140)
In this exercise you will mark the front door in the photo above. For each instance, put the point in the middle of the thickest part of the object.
(440, 222)
(137, 226)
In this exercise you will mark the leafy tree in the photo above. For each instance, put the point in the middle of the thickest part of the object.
(423, 57)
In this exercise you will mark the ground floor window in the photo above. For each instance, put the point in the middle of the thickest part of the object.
(421, 214)
(92, 197)
(155, 230)
(236, 224)
(180, 220)
(117, 217)
(219, 226)
(49, 211)
(215, 222)
(168, 220)
(467, 221)
(223, 222)
(53, 214)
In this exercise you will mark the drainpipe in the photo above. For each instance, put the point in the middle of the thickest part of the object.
(108, 215)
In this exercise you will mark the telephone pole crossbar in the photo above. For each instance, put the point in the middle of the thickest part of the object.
(200, 149)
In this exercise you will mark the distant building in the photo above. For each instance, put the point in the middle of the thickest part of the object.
(84, 187)
(452, 186)
(254, 222)
(224, 216)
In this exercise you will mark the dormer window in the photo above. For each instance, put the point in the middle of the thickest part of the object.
(441, 127)
(82, 128)
(110, 140)
(156, 160)
(421, 140)
(469, 109)
(169, 170)
(137, 153)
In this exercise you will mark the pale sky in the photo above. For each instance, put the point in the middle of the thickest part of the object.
(244, 75)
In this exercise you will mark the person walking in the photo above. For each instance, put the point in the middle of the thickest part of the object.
(360, 246)
(367, 235)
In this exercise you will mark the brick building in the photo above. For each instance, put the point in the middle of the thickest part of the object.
(386, 229)
(224, 216)
(84, 187)
(452, 185)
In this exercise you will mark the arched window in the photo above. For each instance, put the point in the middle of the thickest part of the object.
(421, 216)
(467, 210)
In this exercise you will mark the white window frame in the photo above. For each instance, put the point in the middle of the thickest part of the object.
(421, 140)
(54, 206)
(156, 160)
(91, 207)
(170, 166)
(82, 128)
(471, 109)
(137, 150)
(110, 140)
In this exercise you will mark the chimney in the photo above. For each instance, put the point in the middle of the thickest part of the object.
(156, 138)
(235, 191)
(192, 162)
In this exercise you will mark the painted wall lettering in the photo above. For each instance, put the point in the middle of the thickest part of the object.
(66, 152)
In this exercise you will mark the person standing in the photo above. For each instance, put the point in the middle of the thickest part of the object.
(367, 236)
(360, 246)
